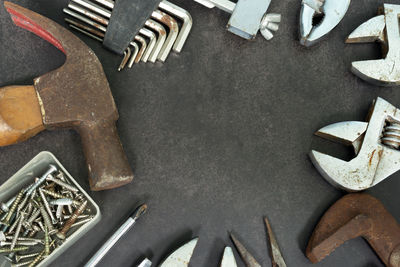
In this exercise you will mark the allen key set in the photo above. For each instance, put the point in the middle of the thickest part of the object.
(157, 34)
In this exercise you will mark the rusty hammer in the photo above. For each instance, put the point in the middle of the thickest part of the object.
(76, 95)
(352, 216)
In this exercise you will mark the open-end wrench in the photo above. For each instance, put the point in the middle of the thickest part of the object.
(247, 17)
(376, 144)
(386, 30)
(330, 12)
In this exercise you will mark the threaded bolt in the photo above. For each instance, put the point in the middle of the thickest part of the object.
(71, 221)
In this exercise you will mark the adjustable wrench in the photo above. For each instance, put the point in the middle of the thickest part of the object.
(376, 144)
(247, 17)
(386, 30)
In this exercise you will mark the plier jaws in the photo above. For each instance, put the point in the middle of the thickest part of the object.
(331, 12)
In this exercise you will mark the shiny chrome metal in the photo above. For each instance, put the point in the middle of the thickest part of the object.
(152, 42)
(186, 25)
(172, 35)
(134, 54)
(127, 54)
(143, 46)
(87, 13)
(128, 224)
(106, 3)
(162, 35)
(84, 19)
(93, 7)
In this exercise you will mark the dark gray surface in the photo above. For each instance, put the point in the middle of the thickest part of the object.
(218, 136)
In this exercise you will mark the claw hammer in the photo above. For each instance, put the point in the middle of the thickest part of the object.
(76, 95)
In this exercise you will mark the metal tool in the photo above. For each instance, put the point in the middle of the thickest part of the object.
(152, 42)
(353, 216)
(247, 258)
(145, 263)
(319, 17)
(181, 257)
(376, 145)
(386, 30)
(275, 253)
(76, 95)
(228, 259)
(247, 17)
(128, 224)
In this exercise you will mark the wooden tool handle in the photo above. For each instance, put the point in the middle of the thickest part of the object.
(107, 163)
(20, 116)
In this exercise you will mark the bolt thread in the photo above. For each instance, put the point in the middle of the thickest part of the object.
(46, 205)
(46, 217)
(37, 259)
(17, 231)
(63, 184)
(46, 241)
(57, 195)
(16, 249)
(13, 207)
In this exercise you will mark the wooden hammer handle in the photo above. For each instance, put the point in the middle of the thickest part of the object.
(20, 116)
(107, 163)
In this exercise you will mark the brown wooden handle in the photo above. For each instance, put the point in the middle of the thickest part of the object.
(107, 163)
(20, 116)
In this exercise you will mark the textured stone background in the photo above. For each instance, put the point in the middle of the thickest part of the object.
(218, 136)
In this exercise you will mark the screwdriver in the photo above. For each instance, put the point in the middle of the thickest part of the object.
(128, 224)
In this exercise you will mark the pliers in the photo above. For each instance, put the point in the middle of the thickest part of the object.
(319, 17)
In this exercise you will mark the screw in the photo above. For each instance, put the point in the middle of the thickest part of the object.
(62, 184)
(82, 222)
(34, 215)
(57, 195)
(37, 259)
(46, 241)
(71, 221)
(10, 213)
(18, 258)
(46, 217)
(17, 231)
(46, 205)
(16, 249)
(33, 187)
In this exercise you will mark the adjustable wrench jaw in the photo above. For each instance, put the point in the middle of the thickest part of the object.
(374, 160)
(332, 12)
(386, 30)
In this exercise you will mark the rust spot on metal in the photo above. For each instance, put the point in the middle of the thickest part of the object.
(77, 95)
(353, 216)
(371, 157)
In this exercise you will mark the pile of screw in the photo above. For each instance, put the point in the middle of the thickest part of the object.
(41, 217)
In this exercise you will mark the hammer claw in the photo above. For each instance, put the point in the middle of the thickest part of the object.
(77, 95)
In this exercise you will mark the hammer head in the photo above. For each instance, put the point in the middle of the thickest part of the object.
(352, 216)
(77, 95)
